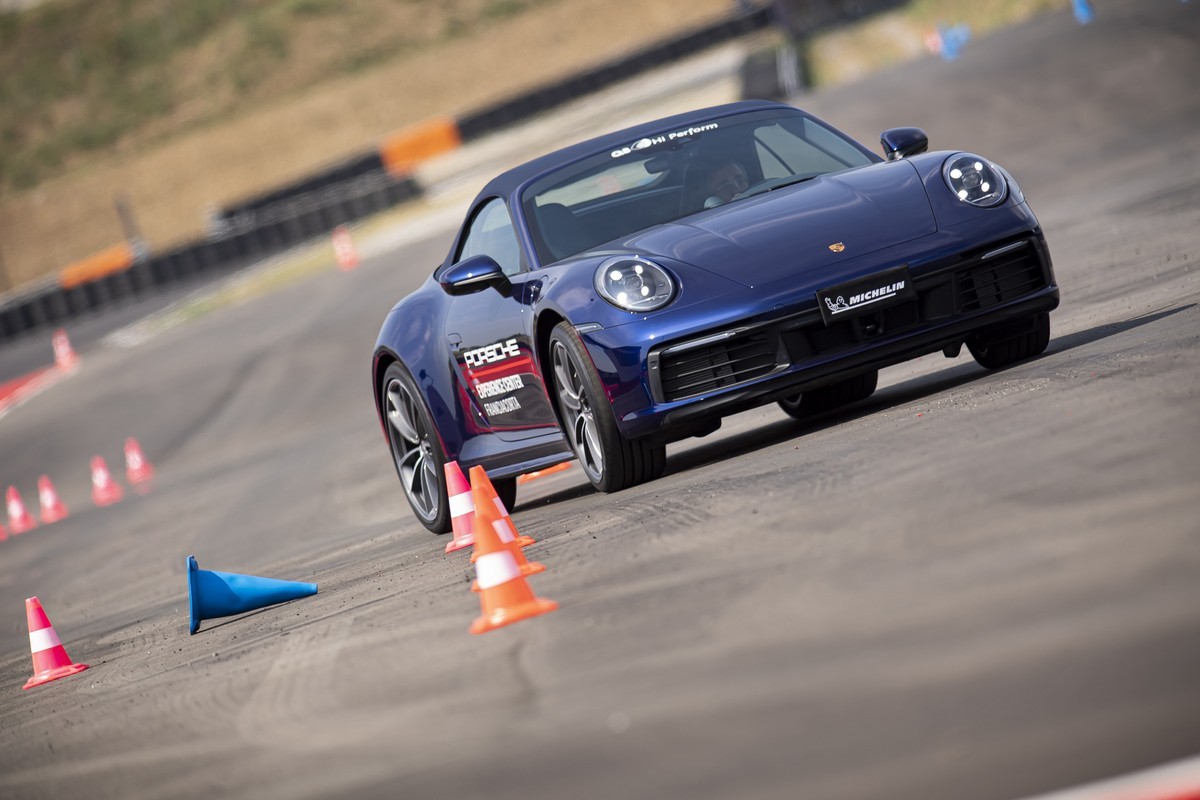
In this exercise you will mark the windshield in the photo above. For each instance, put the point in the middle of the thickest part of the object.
(662, 178)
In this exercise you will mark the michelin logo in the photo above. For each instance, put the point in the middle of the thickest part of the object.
(651, 141)
(841, 305)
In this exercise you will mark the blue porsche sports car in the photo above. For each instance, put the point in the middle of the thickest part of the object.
(629, 291)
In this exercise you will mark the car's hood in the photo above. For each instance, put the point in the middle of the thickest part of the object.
(813, 226)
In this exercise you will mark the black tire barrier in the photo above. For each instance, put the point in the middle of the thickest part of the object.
(331, 176)
(267, 231)
(515, 109)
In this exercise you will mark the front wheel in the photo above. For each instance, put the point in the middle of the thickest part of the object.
(610, 461)
(993, 351)
(827, 398)
(416, 449)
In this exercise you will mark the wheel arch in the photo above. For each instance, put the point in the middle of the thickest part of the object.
(547, 320)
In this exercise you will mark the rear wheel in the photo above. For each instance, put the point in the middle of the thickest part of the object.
(610, 461)
(827, 398)
(416, 449)
(999, 350)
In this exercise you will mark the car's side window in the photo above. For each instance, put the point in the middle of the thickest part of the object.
(491, 233)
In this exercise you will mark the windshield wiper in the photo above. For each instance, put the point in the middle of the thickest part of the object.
(778, 183)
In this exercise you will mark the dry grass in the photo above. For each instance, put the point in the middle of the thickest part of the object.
(171, 177)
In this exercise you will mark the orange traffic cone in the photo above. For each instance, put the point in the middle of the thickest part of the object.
(105, 491)
(523, 541)
(19, 518)
(498, 525)
(64, 354)
(52, 508)
(343, 248)
(504, 594)
(138, 471)
(50, 659)
(462, 507)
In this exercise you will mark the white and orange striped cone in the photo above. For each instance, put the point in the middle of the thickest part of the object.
(501, 526)
(64, 355)
(522, 540)
(19, 518)
(462, 507)
(504, 595)
(105, 491)
(52, 508)
(138, 471)
(50, 659)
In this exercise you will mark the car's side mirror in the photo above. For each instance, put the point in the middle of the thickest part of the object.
(473, 274)
(900, 143)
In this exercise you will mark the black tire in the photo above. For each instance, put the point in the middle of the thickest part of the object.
(827, 398)
(610, 461)
(506, 490)
(993, 352)
(416, 449)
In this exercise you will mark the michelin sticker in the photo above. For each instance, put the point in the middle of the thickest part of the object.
(651, 141)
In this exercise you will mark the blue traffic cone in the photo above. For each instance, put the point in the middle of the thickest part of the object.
(1083, 11)
(222, 594)
(954, 39)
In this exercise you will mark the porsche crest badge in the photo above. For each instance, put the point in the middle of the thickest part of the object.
(837, 247)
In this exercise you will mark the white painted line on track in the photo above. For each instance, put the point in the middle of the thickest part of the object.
(1178, 780)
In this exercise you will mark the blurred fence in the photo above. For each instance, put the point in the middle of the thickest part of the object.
(285, 216)
(253, 232)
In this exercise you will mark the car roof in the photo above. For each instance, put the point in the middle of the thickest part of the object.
(507, 182)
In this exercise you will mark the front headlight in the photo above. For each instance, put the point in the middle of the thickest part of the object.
(633, 283)
(973, 180)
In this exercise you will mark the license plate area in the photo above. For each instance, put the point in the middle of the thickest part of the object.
(866, 295)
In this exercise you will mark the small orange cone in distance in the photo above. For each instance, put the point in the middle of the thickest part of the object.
(343, 248)
(541, 473)
(481, 477)
(52, 508)
(50, 659)
(19, 518)
(138, 471)
(105, 491)
(462, 507)
(504, 595)
(64, 355)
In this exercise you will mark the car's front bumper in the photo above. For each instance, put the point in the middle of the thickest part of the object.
(687, 381)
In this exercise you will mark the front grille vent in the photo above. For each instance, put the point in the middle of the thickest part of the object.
(1007, 276)
(724, 363)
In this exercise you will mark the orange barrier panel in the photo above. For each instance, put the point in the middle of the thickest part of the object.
(114, 259)
(404, 150)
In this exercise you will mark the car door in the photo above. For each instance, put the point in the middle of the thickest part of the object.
(489, 333)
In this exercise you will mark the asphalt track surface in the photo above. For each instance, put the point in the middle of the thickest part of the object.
(974, 584)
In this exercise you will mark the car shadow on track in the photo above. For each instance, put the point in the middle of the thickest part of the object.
(889, 397)
(892, 396)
